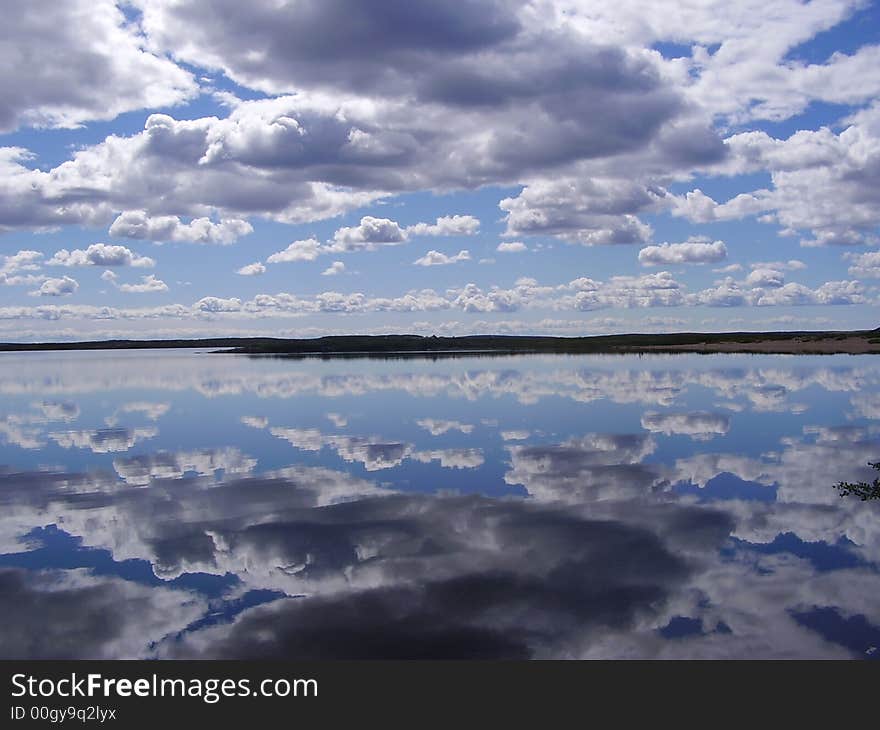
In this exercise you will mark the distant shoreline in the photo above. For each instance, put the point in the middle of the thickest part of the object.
(792, 343)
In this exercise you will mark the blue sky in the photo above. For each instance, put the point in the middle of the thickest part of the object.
(550, 166)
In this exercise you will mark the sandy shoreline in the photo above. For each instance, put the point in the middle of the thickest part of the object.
(798, 346)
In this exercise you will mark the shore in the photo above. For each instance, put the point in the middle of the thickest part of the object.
(789, 343)
(799, 346)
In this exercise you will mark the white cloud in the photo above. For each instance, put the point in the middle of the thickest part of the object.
(149, 284)
(572, 111)
(152, 411)
(56, 287)
(138, 225)
(337, 419)
(765, 278)
(822, 182)
(13, 266)
(727, 293)
(512, 247)
(337, 267)
(659, 289)
(790, 265)
(254, 269)
(80, 60)
(100, 254)
(592, 212)
(373, 233)
(454, 225)
(437, 427)
(435, 258)
(369, 234)
(865, 265)
(698, 425)
(305, 250)
(218, 304)
(840, 292)
(694, 251)
(25, 260)
(377, 453)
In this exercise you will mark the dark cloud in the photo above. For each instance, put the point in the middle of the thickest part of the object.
(72, 615)
(548, 575)
(343, 43)
(388, 574)
(495, 107)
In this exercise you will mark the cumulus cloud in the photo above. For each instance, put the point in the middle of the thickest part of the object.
(19, 268)
(498, 100)
(595, 211)
(158, 171)
(452, 225)
(57, 287)
(436, 258)
(790, 265)
(865, 265)
(767, 289)
(497, 109)
(254, 269)
(305, 250)
(660, 289)
(695, 251)
(590, 141)
(100, 254)
(138, 225)
(25, 260)
(373, 233)
(218, 304)
(511, 247)
(337, 267)
(823, 183)
(370, 233)
(149, 284)
(93, 65)
(765, 278)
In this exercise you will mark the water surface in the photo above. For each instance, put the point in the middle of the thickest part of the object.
(184, 504)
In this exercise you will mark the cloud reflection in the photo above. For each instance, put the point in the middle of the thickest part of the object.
(610, 538)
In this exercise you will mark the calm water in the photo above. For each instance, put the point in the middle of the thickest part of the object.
(185, 504)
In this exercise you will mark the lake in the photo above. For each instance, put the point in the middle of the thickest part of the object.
(183, 504)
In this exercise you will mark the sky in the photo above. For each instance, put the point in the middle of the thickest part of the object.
(308, 167)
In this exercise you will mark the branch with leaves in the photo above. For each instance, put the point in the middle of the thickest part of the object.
(862, 490)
